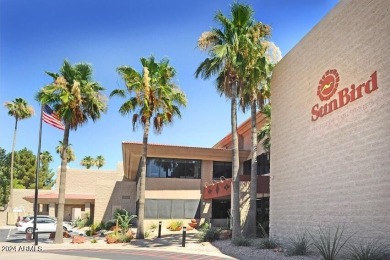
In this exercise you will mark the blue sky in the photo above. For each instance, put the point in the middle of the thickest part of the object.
(36, 36)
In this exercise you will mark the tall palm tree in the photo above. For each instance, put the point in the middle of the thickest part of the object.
(87, 162)
(69, 152)
(152, 99)
(256, 73)
(99, 161)
(226, 49)
(76, 98)
(20, 110)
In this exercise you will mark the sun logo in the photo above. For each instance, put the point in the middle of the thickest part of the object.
(328, 84)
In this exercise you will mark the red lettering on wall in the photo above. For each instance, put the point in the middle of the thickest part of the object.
(344, 97)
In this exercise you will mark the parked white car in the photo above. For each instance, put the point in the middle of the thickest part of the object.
(44, 224)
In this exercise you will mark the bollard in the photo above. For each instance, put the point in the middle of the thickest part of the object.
(159, 229)
(35, 237)
(183, 242)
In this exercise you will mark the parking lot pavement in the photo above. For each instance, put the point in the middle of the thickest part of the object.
(15, 236)
(4, 234)
(11, 234)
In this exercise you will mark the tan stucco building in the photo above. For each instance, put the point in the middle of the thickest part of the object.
(182, 183)
(330, 160)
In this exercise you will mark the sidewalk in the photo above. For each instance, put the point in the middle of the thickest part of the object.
(169, 241)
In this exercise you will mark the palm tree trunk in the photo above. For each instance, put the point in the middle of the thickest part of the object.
(235, 168)
(251, 223)
(61, 196)
(142, 180)
(11, 189)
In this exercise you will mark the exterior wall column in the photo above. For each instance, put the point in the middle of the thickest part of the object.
(52, 209)
(88, 208)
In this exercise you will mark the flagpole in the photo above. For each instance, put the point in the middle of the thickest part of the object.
(37, 180)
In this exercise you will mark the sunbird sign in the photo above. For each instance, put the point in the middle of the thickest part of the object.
(327, 87)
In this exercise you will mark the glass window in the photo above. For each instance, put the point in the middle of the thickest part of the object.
(171, 209)
(263, 165)
(222, 169)
(173, 168)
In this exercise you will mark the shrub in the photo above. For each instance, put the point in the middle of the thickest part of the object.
(94, 240)
(241, 241)
(125, 238)
(109, 224)
(124, 219)
(153, 226)
(82, 222)
(368, 251)
(146, 234)
(92, 230)
(175, 225)
(112, 238)
(101, 226)
(119, 237)
(299, 244)
(76, 222)
(204, 225)
(329, 246)
(268, 243)
(208, 234)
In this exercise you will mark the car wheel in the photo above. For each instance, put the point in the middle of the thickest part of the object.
(29, 230)
(65, 229)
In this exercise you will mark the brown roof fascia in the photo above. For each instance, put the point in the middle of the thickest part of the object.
(241, 129)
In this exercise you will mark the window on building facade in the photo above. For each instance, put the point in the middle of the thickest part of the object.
(222, 169)
(172, 209)
(262, 165)
(173, 168)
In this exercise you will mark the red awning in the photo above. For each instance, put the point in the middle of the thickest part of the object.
(217, 189)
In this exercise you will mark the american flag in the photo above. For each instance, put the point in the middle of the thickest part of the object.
(51, 118)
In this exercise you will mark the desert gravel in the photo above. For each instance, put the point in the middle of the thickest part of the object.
(253, 251)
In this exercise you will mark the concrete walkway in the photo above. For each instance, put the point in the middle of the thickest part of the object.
(169, 242)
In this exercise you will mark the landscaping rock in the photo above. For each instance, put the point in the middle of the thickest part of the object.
(225, 234)
(78, 240)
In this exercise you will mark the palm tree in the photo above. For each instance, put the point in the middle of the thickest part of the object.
(76, 98)
(20, 110)
(69, 152)
(87, 162)
(226, 48)
(264, 135)
(46, 156)
(256, 74)
(99, 161)
(152, 97)
(45, 179)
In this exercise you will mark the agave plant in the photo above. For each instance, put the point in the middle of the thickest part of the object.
(373, 250)
(329, 246)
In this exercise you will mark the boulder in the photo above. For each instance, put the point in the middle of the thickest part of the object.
(225, 234)
(78, 240)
